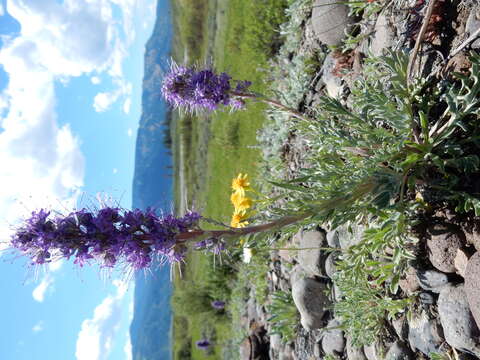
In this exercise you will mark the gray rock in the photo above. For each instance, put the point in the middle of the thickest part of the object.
(330, 20)
(401, 327)
(330, 265)
(349, 238)
(443, 246)
(409, 284)
(333, 341)
(311, 301)
(425, 334)
(432, 280)
(426, 298)
(383, 37)
(312, 260)
(472, 25)
(459, 327)
(472, 286)
(398, 351)
(332, 82)
(286, 354)
(353, 352)
(290, 255)
(372, 352)
(461, 261)
(317, 350)
(332, 239)
(275, 342)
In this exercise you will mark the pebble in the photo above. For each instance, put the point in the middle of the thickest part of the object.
(425, 334)
(472, 286)
(333, 341)
(312, 261)
(459, 327)
(443, 246)
(310, 299)
(330, 20)
(398, 351)
(431, 280)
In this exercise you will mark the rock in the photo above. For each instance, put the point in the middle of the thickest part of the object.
(333, 341)
(409, 284)
(383, 37)
(461, 261)
(401, 327)
(443, 246)
(372, 352)
(354, 353)
(330, 21)
(330, 265)
(317, 350)
(459, 327)
(252, 307)
(290, 255)
(431, 280)
(472, 25)
(426, 298)
(398, 351)
(332, 239)
(312, 260)
(310, 299)
(425, 334)
(275, 342)
(332, 82)
(349, 238)
(472, 286)
(286, 354)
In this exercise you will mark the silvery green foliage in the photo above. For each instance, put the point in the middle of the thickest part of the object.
(291, 82)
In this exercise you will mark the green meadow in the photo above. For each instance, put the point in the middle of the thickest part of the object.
(211, 149)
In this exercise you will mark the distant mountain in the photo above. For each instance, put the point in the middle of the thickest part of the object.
(152, 186)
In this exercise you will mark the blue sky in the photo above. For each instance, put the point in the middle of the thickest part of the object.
(70, 101)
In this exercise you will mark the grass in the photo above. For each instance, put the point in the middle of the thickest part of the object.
(215, 147)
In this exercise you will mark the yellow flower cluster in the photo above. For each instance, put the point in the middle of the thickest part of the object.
(242, 203)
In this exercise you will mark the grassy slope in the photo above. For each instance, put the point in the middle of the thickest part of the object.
(220, 145)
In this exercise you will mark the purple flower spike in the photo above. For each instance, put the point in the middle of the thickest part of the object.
(109, 236)
(203, 344)
(200, 89)
(218, 304)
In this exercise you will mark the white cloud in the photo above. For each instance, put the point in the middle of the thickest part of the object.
(2, 10)
(115, 170)
(38, 327)
(46, 285)
(95, 80)
(95, 339)
(127, 348)
(129, 132)
(40, 291)
(104, 100)
(127, 105)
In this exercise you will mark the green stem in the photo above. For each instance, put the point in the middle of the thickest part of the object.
(277, 104)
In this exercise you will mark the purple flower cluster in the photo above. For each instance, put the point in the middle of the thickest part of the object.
(200, 89)
(203, 344)
(109, 235)
(218, 304)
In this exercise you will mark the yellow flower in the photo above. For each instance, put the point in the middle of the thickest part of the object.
(238, 219)
(241, 183)
(240, 202)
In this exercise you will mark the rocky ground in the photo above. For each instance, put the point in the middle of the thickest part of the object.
(445, 278)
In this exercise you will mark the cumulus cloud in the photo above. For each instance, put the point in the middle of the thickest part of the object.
(38, 327)
(104, 100)
(2, 10)
(95, 80)
(42, 164)
(129, 132)
(46, 284)
(95, 339)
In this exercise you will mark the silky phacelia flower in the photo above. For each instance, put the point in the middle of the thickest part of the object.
(203, 344)
(187, 87)
(109, 235)
(218, 304)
